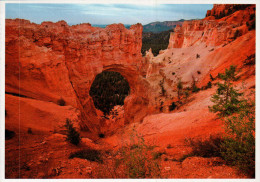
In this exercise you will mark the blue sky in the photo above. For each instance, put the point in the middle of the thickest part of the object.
(106, 13)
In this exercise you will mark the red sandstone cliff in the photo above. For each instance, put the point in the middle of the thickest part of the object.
(53, 60)
(211, 31)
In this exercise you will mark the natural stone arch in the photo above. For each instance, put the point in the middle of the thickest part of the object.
(135, 104)
(48, 61)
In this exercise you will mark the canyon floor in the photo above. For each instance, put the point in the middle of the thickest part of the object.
(44, 152)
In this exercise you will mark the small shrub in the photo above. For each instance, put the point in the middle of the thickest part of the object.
(197, 56)
(195, 89)
(179, 88)
(207, 148)
(137, 160)
(157, 155)
(173, 73)
(251, 26)
(61, 102)
(250, 60)
(9, 134)
(89, 154)
(252, 17)
(72, 135)
(211, 77)
(134, 146)
(161, 106)
(204, 148)
(163, 91)
(101, 135)
(209, 85)
(199, 72)
(236, 34)
(186, 94)
(29, 131)
(172, 106)
(169, 146)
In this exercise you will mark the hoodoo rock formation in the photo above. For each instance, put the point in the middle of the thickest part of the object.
(53, 60)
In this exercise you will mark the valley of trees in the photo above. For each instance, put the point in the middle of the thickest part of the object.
(156, 41)
(108, 90)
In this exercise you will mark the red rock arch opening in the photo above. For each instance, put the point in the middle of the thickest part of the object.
(108, 90)
(135, 104)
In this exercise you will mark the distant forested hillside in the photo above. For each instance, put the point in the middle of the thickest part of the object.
(156, 41)
(157, 27)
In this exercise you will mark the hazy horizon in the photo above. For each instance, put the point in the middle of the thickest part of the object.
(103, 14)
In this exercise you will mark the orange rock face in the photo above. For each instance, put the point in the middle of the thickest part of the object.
(53, 60)
(212, 32)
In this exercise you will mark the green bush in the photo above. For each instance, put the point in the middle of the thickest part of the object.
(211, 77)
(206, 148)
(238, 147)
(9, 134)
(137, 159)
(209, 85)
(194, 86)
(89, 154)
(61, 102)
(195, 89)
(172, 106)
(72, 135)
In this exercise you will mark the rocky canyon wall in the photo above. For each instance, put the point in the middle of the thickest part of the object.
(49, 61)
(200, 48)
(213, 31)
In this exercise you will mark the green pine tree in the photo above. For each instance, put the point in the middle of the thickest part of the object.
(72, 134)
(226, 98)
